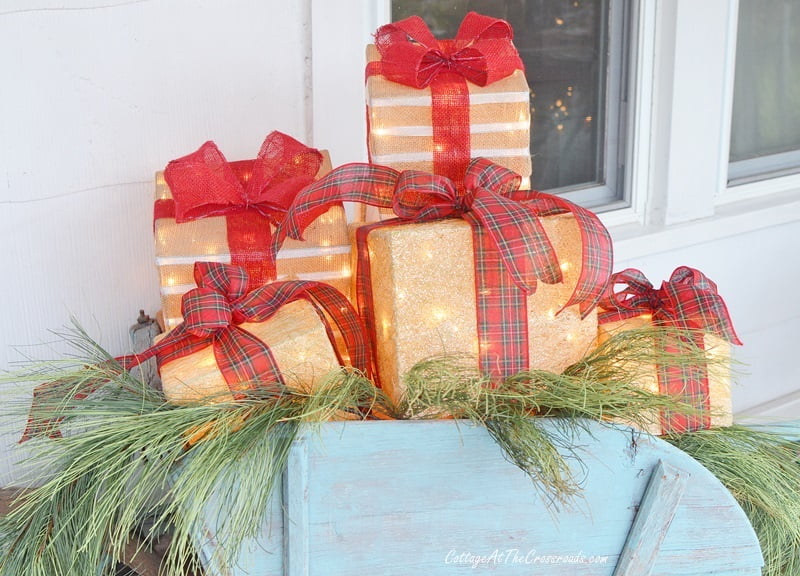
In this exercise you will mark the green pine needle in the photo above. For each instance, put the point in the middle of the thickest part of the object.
(762, 471)
(126, 454)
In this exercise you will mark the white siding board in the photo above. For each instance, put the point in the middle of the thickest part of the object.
(96, 97)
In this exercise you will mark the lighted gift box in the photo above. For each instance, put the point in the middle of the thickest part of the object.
(437, 124)
(234, 339)
(424, 301)
(296, 339)
(689, 302)
(720, 407)
(323, 256)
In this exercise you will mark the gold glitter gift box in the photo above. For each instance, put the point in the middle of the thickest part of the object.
(324, 255)
(295, 336)
(690, 314)
(423, 285)
(718, 352)
(400, 131)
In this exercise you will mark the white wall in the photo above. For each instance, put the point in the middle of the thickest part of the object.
(94, 98)
(96, 95)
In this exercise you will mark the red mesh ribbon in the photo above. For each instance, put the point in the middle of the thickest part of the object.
(688, 301)
(251, 194)
(482, 53)
(512, 251)
(213, 313)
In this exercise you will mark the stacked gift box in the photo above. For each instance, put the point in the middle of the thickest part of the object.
(211, 210)
(464, 261)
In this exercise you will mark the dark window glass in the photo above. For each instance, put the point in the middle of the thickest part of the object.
(564, 45)
(765, 128)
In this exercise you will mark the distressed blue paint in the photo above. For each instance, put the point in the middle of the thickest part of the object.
(296, 520)
(257, 557)
(650, 526)
(788, 429)
(426, 497)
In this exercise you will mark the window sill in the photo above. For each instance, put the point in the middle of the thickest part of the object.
(735, 215)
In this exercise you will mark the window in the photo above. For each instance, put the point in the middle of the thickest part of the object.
(575, 59)
(765, 124)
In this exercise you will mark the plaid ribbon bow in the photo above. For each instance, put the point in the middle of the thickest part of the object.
(482, 51)
(687, 301)
(512, 250)
(212, 314)
(251, 194)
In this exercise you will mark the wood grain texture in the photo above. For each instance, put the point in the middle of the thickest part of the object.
(656, 511)
(296, 543)
(438, 497)
(7, 498)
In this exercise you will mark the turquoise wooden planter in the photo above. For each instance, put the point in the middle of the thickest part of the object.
(438, 498)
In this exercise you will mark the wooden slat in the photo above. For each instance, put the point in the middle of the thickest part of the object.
(656, 511)
(7, 497)
(438, 497)
(295, 523)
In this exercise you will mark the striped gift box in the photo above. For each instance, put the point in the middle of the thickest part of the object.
(324, 256)
(400, 131)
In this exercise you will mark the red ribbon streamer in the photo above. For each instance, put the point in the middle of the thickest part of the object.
(251, 194)
(482, 52)
(512, 251)
(688, 301)
(213, 313)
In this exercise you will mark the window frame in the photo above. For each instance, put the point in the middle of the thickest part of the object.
(678, 139)
(767, 167)
(773, 185)
(614, 192)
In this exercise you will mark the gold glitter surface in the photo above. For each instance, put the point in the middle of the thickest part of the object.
(323, 255)
(719, 372)
(423, 284)
(297, 339)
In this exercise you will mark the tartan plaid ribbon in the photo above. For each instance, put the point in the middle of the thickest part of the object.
(251, 194)
(512, 250)
(212, 314)
(482, 53)
(688, 301)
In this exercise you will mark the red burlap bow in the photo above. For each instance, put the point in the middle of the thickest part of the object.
(213, 313)
(512, 250)
(251, 194)
(688, 301)
(482, 53)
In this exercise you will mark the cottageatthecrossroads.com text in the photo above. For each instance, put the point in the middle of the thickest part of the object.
(517, 556)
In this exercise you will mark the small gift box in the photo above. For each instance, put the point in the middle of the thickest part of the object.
(433, 105)
(211, 210)
(509, 277)
(233, 340)
(297, 341)
(689, 302)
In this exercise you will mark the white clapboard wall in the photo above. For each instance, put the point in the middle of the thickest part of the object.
(95, 97)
